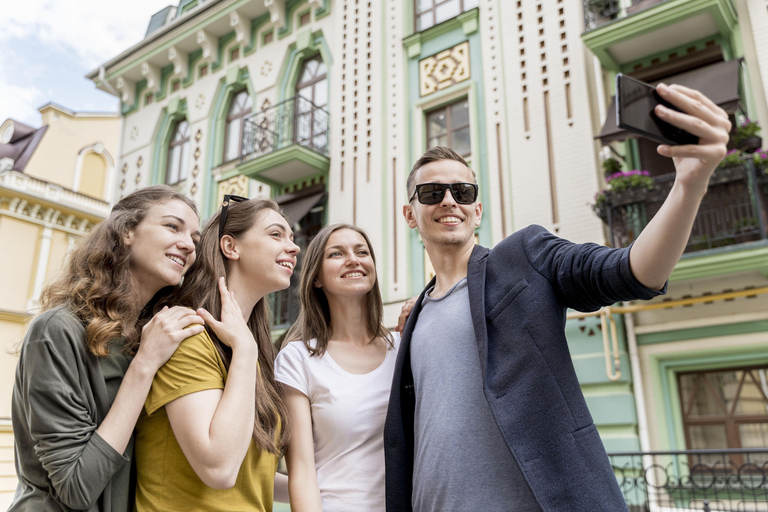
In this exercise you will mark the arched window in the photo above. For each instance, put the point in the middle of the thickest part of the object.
(178, 153)
(311, 96)
(233, 132)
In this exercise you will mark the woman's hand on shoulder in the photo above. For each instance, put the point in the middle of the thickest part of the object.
(161, 336)
(232, 330)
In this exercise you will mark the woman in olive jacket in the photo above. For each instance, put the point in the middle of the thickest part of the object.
(87, 362)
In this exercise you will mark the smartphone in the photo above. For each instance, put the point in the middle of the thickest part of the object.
(635, 103)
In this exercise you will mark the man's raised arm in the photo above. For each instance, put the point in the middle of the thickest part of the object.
(659, 247)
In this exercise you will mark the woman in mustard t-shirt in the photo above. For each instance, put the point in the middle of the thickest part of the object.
(211, 432)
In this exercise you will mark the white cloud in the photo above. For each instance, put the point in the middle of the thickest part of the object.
(93, 30)
(83, 34)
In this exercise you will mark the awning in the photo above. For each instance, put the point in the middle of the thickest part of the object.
(296, 205)
(719, 82)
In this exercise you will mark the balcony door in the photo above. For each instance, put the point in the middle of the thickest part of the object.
(311, 96)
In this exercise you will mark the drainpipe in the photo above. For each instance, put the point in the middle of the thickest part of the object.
(639, 394)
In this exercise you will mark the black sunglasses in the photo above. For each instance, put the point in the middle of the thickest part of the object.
(228, 200)
(433, 193)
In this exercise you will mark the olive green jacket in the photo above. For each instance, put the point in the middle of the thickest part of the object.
(59, 400)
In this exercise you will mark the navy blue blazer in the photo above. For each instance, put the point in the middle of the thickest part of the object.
(519, 293)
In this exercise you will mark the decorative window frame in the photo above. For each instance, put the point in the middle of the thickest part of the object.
(170, 115)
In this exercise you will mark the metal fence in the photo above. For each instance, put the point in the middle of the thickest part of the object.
(732, 212)
(293, 121)
(703, 480)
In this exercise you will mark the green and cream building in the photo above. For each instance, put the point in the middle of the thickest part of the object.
(324, 105)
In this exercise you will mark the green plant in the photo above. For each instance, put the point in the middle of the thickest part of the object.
(611, 166)
(746, 130)
(760, 157)
(619, 182)
(733, 157)
(599, 7)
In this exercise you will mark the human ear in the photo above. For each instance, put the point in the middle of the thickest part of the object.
(229, 248)
(128, 238)
(410, 218)
(478, 213)
(317, 284)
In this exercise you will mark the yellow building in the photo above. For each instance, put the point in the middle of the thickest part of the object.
(55, 185)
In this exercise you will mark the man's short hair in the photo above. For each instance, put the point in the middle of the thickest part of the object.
(433, 155)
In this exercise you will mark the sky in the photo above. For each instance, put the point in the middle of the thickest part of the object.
(48, 46)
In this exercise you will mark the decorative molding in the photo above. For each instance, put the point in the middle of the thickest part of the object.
(127, 90)
(241, 25)
(44, 194)
(444, 69)
(151, 74)
(209, 44)
(180, 61)
(276, 13)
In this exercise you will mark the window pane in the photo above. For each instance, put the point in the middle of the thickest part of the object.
(726, 384)
(460, 113)
(751, 399)
(233, 139)
(425, 20)
(438, 141)
(184, 164)
(755, 435)
(461, 143)
(446, 11)
(705, 403)
(470, 4)
(182, 130)
(424, 5)
(707, 436)
(172, 173)
(437, 123)
(321, 93)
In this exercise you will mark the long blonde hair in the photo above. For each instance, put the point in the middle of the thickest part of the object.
(315, 316)
(97, 284)
(200, 290)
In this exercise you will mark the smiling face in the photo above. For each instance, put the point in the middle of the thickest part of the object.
(163, 246)
(447, 223)
(347, 269)
(266, 254)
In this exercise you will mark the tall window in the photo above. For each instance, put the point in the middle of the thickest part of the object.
(432, 12)
(312, 96)
(233, 132)
(725, 409)
(178, 153)
(449, 126)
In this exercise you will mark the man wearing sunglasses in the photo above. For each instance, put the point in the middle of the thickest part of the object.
(485, 411)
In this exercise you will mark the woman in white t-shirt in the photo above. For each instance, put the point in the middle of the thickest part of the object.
(336, 366)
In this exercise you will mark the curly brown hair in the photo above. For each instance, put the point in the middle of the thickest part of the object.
(96, 283)
(201, 291)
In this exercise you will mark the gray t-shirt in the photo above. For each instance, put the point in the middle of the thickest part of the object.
(460, 459)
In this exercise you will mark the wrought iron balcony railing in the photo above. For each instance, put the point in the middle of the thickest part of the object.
(732, 212)
(294, 121)
(702, 480)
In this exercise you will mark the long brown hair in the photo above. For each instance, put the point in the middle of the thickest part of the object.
(315, 316)
(200, 290)
(97, 284)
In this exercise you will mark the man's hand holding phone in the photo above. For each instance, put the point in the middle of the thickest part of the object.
(699, 116)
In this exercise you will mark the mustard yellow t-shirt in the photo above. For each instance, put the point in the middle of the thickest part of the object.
(165, 480)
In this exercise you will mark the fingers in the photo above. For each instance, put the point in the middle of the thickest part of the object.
(700, 115)
(404, 313)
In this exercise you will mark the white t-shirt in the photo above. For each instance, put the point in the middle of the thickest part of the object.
(348, 413)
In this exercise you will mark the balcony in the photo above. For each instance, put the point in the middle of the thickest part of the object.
(701, 480)
(285, 143)
(623, 32)
(732, 212)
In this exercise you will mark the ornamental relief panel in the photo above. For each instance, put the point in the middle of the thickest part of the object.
(444, 69)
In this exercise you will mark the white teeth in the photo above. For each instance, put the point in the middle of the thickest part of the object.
(448, 219)
(176, 259)
(354, 274)
(286, 264)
